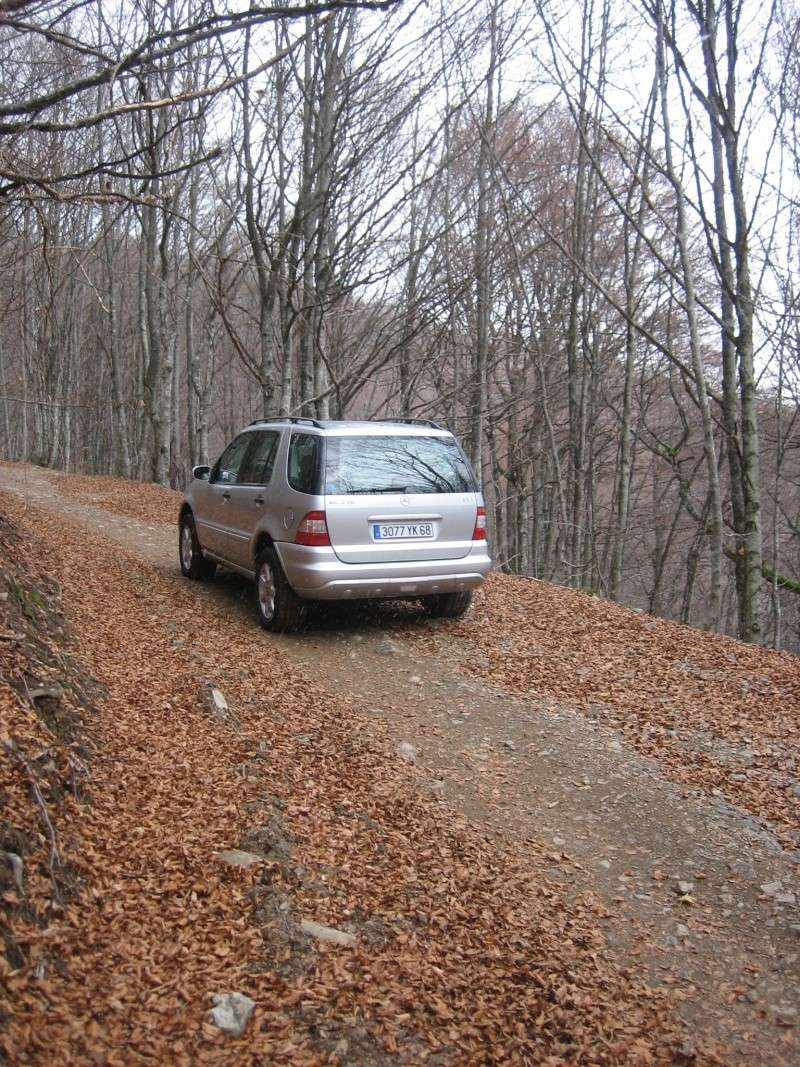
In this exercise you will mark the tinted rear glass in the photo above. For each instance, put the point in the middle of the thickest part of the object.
(395, 465)
(303, 462)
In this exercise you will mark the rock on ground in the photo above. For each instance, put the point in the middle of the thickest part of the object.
(231, 1012)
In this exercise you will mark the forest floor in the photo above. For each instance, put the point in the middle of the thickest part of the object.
(558, 831)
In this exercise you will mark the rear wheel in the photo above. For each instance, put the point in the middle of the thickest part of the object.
(193, 565)
(447, 605)
(280, 609)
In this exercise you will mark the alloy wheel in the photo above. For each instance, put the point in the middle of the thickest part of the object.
(266, 591)
(187, 546)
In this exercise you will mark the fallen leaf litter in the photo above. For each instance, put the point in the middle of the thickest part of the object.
(715, 713)
(463, 953)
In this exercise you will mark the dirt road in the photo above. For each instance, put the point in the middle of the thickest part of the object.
(692, 894)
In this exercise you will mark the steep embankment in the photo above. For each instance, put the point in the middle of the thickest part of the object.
(46, 751)
(714, 712)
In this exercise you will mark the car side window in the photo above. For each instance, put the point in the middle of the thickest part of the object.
(303, 463)
(260, 459)
(227, 466)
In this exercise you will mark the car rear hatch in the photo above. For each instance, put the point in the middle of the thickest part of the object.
(391, 498)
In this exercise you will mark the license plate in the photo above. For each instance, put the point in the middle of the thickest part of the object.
(402, 531)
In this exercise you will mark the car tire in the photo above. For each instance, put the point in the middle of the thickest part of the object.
(280, 609)
(448, 605)
(193, 565)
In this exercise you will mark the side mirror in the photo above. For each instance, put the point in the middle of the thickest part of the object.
(202, 472)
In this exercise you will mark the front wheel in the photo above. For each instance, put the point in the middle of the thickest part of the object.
(280, 609)
(447, 605)
(193, 565)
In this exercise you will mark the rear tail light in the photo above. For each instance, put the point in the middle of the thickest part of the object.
(313, 530)
(479, 533)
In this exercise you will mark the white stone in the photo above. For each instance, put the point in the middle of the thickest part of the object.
(235, 857)
(218, 700)
(16, 865)
(231, 1012)
(405, 750)
(327, 933)
(769, 889)
(216, 703)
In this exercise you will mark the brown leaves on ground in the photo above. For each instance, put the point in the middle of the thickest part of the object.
(657, 682)
(654, 680)
(134, 500)
(465, 954)
(45, 718)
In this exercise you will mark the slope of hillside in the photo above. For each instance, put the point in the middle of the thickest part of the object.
(716, 712)
(46, 752)
(463, 951)
(627, 782)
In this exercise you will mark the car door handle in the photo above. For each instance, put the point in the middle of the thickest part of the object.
(258, 499)
(226, 495)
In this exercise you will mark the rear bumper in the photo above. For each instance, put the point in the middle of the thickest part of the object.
(318, 574)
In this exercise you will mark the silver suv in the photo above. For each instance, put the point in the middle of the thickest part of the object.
(339, 511)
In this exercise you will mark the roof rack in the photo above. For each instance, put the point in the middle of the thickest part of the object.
(414, 422)
(295, 419)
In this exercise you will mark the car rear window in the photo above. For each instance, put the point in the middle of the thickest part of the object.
(402, 464)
